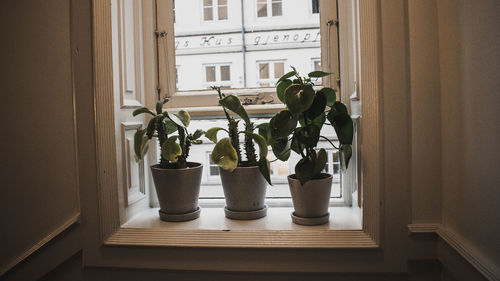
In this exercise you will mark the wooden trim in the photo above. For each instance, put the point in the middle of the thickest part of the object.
(242, 238)
(67, 224)
(470, 253)
(104, 119)
(423, 228)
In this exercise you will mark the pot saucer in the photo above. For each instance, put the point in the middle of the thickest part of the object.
(180, 217)
(310, 221)
(249, 215)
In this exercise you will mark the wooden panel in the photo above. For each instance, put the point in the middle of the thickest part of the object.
(130, 52)
(133, 172)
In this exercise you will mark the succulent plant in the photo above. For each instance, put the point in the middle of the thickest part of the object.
(227, 151)
(298, 127)
(174, 148)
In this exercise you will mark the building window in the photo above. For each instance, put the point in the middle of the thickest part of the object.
(267, 8)
(217, 74)
(269, 72)
(316, 66)
(315, 6)
(214, 10)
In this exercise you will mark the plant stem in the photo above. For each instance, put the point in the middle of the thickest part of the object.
(329, 141)
(181, 160)
(162, 137)
(235, 140)
(249, 146)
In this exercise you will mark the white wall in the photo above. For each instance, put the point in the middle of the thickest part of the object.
(469, 40)
(39, 173)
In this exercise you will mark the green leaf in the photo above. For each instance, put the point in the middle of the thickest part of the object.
(265, 131)
(171, 150)
(142, 110)
(152, 125)
(320, 120)
(304, 169)
(317, 107)
(197, 134)
(174, 119)
(170, 126)
(281, 148)
(260, 141)
(317, 74)
(296, 146)
(345, 153)
(224, 155)
(233, 103)
(342, 123)
(184, 117)
(331, 96)
(299, 98)
(282, 124)
(141, 144)
(321, 159)
(286, 76)
(309, 135)
(281, 87)
(211, 134)
(159, 105)
(264, 169)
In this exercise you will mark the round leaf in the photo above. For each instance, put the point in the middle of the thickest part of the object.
(331, 96)
(265, 132)
(304, 169)
(318, 106)
(282, 124)
(224, 155)
(233, 103)
(321, 159)
(174, 119)
(281, 87)
(309, 135)
(286, 76)
(342, 123)
(281, 149)
(299, 98)
(317, 74)
(170, 127)
(345, 155)
(171, 150)
(141, 144)
(184, 117)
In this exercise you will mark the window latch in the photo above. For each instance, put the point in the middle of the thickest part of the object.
(162, 33)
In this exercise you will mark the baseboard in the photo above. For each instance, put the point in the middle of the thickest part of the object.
(465, 248)
(67, 224)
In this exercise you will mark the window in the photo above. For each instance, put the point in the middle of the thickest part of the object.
(316, 66)
(270, 72)
(267, 8)
(214, 10)
(218, 75)
(315, 6)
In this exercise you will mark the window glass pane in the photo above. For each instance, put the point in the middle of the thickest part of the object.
(317, 65)
(279, 69)
(210, 73)
(315, 6)
(276, 8)
(336, 163)
(214, 170)
(222, 2)
(264, 71)
(223, 13)
(225, 73)
(262, 10)
(208, 14)
(207, 3)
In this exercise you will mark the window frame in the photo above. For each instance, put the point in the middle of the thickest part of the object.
(102, 224)
(272, 72)
(215, 11)
(269, 8)
(218, 75)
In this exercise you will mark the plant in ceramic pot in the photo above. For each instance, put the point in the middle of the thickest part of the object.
(297, 129)
(244, 182)
(177, 181)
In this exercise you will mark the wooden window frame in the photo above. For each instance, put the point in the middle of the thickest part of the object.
(108, 244)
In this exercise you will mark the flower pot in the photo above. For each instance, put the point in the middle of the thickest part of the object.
(311, 200)
(245, 193)
(178, 191)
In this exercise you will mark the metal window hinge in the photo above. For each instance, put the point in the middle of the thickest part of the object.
(162, 33)
(332, 22)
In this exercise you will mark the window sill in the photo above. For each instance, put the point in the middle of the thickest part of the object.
(276, 230)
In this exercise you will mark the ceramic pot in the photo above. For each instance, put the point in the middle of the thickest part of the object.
(311, 199)
(178, 191)
(245, 193)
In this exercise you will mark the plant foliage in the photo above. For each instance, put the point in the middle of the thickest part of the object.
(174, 148)
(227, 151)
(297, 128)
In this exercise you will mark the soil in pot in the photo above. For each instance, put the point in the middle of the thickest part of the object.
(311, 199)
(178, 191)
(244, 192)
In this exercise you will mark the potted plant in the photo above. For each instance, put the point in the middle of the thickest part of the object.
(177, 181)
(244, 182)
(297, 129)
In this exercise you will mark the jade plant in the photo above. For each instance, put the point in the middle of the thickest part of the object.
(174, 148)
(298, 127)
(227, 152)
